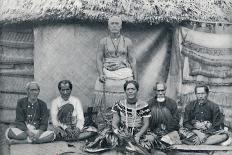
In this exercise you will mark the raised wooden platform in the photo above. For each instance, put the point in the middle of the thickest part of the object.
(200, 150)
(202, 147)
(75, 148)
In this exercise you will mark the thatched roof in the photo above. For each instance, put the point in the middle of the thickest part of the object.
(132, 11)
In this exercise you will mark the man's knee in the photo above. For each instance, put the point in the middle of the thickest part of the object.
(216, 139)
(15, 133)
(223, 137)
(48, 135)
(45, 137)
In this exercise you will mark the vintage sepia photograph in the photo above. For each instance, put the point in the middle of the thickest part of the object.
(115, 77)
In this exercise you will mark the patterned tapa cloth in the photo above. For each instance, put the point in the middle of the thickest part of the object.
(65, 117)
(65, 114)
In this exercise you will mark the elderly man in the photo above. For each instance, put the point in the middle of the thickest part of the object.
(67, 113)
(164, 116)
(203, 120)
(31, 119)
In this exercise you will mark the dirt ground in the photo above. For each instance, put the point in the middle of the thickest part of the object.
(4, 147)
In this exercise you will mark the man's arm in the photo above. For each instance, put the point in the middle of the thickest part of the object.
(131, 59)
(218, 118)
(44, 117)
(174, 124)
(20, 116)
(80, 115)
(100, 54)
(187, 117)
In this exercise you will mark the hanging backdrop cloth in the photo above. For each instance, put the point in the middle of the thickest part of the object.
(205, 58)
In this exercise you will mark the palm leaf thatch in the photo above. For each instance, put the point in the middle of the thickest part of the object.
(132, 11)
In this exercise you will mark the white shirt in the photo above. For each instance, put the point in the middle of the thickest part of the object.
(77, 112)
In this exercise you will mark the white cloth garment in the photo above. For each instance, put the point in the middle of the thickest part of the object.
(17, 131)
(77, 112)
(119, 74)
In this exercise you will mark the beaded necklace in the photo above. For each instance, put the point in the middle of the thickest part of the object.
(133, 119)
(116, 47)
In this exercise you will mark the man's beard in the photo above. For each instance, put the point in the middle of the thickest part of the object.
(160, 99)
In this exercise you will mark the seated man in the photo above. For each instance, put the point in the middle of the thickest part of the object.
(203, 120)
(31, 119)
(164, 116)
(67, 113)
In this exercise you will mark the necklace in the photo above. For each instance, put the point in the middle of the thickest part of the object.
(134, 118)
(116, 47)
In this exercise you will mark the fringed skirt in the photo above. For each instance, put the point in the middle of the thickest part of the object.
(106, 94)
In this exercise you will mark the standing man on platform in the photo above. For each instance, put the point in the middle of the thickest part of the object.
(116, 64)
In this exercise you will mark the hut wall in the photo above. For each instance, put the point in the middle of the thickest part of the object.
(16, 67)
(68, 51)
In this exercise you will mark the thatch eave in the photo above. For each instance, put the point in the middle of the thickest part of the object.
(132, 11)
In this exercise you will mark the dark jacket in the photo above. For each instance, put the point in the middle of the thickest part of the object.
(208, 111)
(36, 114)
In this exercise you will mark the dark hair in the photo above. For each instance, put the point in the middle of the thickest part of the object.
(135, 83)
(65, 82)
(201, 85)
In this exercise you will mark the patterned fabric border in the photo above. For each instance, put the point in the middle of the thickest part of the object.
(208, 56)
(187, 78)
(206, 50)
(196, 68)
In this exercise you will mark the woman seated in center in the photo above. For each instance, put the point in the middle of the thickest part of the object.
(129, 124)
